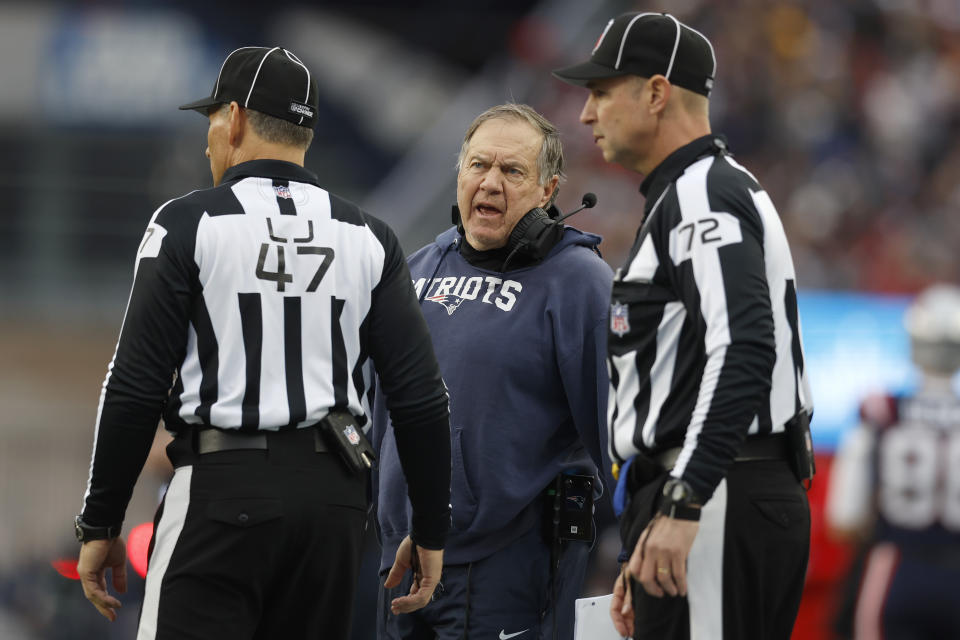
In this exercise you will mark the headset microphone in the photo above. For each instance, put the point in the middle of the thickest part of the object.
(536, 233)
(589, 202)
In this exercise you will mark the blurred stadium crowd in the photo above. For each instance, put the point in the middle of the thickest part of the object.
(856, 111)
(848, 112)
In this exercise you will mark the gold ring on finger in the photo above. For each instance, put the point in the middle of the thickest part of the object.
(663, 570)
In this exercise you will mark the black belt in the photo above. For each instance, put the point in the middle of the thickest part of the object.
(212, 440)
(771, 447)
(754, 448)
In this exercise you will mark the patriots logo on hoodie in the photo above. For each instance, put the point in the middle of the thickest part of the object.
(449, 301)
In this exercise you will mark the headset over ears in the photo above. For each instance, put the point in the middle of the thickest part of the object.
(533, 235)
(536, 233)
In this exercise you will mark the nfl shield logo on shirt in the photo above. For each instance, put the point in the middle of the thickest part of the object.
(282, 191)
(619, 319)
(352, 435)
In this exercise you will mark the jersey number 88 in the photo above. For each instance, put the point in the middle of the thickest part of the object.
(920, 478)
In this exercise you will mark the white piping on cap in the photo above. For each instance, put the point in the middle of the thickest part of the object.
(602, 36)
(623, 40)
(306, 97)
(676, 45)
(216, 87)
(256, 75)
(712, 54)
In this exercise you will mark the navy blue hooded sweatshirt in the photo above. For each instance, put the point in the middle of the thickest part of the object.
(523, 354)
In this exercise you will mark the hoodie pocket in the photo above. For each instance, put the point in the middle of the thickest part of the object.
(463, 502)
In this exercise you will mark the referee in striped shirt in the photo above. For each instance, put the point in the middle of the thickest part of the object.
(255, 306)
(709, 410)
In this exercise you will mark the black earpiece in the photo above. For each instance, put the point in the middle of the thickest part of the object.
(539, 230)
(456, 219)
(536, 233)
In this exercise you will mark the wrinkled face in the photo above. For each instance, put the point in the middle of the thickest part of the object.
(621, 127)
(217, 145)
(499, 181)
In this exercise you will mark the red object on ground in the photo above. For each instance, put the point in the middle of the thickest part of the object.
(829, 563)
(67, 567)
(138, 544)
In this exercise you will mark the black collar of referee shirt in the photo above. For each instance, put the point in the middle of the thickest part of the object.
(276, 169)
(674, 164)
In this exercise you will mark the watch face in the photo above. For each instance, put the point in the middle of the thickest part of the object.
(677, 493)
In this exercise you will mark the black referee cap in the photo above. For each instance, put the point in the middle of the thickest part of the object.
(645, 44)
(270, 80)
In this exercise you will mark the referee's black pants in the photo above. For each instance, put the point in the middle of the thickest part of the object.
(255, 544)
(746, 569)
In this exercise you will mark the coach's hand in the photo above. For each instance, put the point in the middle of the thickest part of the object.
(621, 605)
(660, 558)
(426, 576)
(96, 557)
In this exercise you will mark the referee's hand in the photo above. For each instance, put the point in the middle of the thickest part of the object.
(659, 560)
(426, 576)
(96, 557)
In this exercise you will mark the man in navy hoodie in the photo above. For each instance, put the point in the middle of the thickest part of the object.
(517, 309)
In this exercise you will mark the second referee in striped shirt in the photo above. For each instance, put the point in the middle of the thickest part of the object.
(709, 405)
(254, 308)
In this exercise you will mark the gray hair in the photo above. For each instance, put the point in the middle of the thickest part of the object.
(280, 131)
(276, 130)
(550, 158)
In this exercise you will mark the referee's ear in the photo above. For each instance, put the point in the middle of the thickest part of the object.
(657, 94)
(238, 123)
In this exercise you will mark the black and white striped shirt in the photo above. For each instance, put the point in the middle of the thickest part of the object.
(705, 341)
(255, 306)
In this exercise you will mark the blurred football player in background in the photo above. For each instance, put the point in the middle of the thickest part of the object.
(895, 488)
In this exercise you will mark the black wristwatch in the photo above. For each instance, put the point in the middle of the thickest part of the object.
(86, 532)
(679, 501)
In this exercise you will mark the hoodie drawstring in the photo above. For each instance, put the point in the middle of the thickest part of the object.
(426, 284)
